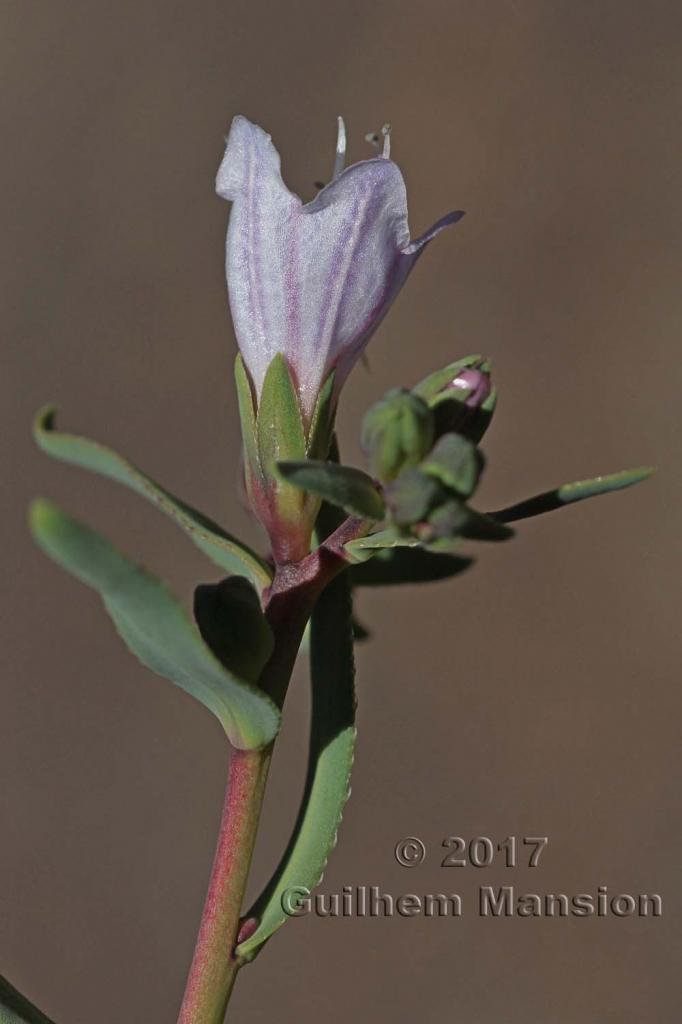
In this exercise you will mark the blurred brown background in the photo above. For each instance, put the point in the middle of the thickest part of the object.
(538, 694)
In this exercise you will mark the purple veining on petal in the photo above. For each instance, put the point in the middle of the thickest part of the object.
(312, 281)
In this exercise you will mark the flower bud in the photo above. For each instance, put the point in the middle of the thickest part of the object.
(476, 383)
(461, 397)
(397, 433)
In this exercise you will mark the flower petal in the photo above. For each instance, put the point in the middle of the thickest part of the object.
(435, 229)
(257, 250)
(313, 281)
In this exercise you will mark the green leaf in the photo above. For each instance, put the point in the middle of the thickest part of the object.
(568, 493)
(231, 621)
(16, 1009)
(455, 519)
(456, 462)
(344, 486)
(155, 627)
(406, 565)
(330, 760)
(365, 547)
(223, 549)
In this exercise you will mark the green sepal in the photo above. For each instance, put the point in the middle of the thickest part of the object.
(448, 404)
(411, 496)
(322, 423)
(16, 1009)
(223, 549)
(279, 424)
(397, 433)
(330, 759)
(231, 621)
(343, 486)
(569, 493)
(280, 436)
(391, 566)
(432, 386)
(155, 627)
(247, 416)
(456, 462)
(451, 413)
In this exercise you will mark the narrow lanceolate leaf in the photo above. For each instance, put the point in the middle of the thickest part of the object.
(390, 566)
(223, 549)
(16, 1009)
(332, 737)
(343, 486)
(155, 627)
(365, 547)
(453, 519)
(569, 493)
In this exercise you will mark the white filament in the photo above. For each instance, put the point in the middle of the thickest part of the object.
(340, 158)
(386, 132)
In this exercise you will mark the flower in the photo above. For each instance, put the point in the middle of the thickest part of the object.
(312, 280)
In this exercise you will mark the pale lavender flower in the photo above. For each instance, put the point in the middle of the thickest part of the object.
(312, 281)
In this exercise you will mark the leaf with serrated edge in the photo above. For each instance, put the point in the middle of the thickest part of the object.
(344, 486)
(330, 761)
(223, 549)
(154, 626)
(16, 1009)
(569, 493)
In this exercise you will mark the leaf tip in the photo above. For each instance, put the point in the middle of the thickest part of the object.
(44, 420)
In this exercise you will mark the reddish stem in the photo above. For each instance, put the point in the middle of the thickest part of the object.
(214, 965)
(289, 603)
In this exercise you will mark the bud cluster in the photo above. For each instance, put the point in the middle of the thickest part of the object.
(422, 447)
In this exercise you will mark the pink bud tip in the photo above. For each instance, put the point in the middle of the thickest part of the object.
(475, 381)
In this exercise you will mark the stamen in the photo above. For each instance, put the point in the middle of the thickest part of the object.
(381, 141)
(340, 158)
(386, 132)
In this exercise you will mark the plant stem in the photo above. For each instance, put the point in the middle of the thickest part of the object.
(289, 604)
(214, 966)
